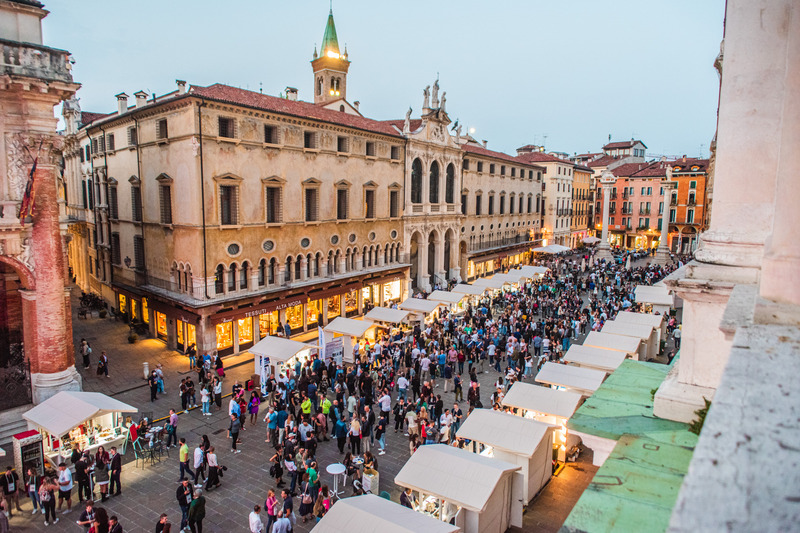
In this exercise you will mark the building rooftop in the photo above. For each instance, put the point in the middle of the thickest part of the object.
(480, 150)
(622, 144)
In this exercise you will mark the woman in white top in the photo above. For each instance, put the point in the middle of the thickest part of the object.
(213, 469)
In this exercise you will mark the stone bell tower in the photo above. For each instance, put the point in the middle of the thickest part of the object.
(330, 67)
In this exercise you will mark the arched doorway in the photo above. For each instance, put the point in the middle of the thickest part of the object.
(14, 370)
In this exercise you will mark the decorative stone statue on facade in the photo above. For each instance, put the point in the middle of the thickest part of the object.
(427, 94)
(435, 95)
(407, 123)
(444, 99)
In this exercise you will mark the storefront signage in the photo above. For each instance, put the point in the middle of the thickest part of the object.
(249, 312)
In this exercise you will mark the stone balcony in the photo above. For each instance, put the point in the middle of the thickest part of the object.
(35, 61)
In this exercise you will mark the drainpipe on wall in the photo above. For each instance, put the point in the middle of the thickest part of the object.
(203, 197)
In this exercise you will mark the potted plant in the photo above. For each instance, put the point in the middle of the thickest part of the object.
(132, 338)
(103, 313)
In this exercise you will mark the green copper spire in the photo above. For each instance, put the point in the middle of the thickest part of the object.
(330, 43)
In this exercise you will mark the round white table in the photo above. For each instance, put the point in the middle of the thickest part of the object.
(336, 470)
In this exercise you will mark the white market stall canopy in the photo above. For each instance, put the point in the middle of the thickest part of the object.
(472, 290)
(611, 341)
(552, 249)
(386, 314)
(458, 476)
(511, 277)
(419, 305)
(591, 240)
(583, 380)
(654, 295)
(656, 321)
(490, 283)
(68, 409)
(504, 431)
(445, 297)
(349, 326)
(370, 513)
(278, 349)
(640, 331)
(596, 358)
(542, 399)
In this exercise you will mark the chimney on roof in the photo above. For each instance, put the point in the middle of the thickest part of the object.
(484, 142)
(683, 158)
(181, 86)
(141, 98)
(356, 104)
(291, 94)
(122, 103)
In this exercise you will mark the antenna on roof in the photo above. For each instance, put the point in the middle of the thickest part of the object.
(260, 87)
(609, 137)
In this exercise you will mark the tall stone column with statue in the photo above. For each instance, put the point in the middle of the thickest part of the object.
(607, 180)
(662, 253)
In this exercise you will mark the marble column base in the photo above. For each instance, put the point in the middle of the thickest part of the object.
(678, 401)
(45, 386)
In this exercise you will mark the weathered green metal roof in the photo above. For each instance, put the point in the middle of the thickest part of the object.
(624, 405)
(634, 490)
(330, 42)
(637, 486)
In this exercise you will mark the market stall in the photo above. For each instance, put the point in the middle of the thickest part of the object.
(581, 380)
(390, 320)
(656, 321)
(471, 290)
(480, 494)
(521, 441)
(451, 300)
(495, 283)
(369, 513)
(88, 419)
(421, 309)
(273, 354)
(648, 349)
(612, 341)
(353, 333)
(595, 358)
(656, 299)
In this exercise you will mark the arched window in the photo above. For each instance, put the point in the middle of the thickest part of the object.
(433, 195)
(365, 257)
(218, 283)
(188, 284)
(319, 86)
(273, 271)
(298, 264)
(287, 274)
(317, 261)
(262, 272)
(243, 275)
(336, 258)
(450, 184)
(232, 278)
(416, 182)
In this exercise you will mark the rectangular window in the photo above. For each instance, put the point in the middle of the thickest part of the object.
(161, 129)
(394, 204)
(369, 200)
(228, 205)
(133, 136)
(88, 149)
(165, 193)
(110, 142)
(395, 153)
(136, 203)
(511, 206)
(502, 170)
(138, 252)
(270, 134)
(672, 215)
(692, 184)
(491, 168)
(342, 144)
(480, 166)
(503, 204)
(466, 164)
(463, 204)
(341, 204)
(113, 204)
(644, 190)
(94, 146)
(520, 205)
(274, 208)
(491, 204)
(311, 205)
(690, 216)
(513, 172)
(530, 204)
(102, 144)
(85, 196)
(370, 149)
(309, 139)
(90, 189)
(659, 224)
(478, 204)
(227, 127)
(116, 253)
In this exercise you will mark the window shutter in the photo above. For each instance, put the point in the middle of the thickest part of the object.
(166, 204)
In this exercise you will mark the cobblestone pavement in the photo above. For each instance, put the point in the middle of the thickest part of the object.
(149, 490)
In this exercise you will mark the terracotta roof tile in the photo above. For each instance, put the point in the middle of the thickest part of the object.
(687, 163)
(87, 117)
(480, 150)
(602, 161)
(414, 124)
(541, 157)
(621, 144)
(629, 169)
(234, 95)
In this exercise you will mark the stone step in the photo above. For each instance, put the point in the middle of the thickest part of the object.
(11, 423)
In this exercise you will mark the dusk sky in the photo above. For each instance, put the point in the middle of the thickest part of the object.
(515, 71)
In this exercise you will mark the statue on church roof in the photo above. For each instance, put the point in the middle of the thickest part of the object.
(435, 99)
(427, 94)
(444, 99)
(407, 123)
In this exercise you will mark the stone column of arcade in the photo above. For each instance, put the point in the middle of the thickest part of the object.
(607, 180)
(51, 355)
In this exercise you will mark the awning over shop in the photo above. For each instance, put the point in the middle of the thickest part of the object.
(490, 283)
(654, 295)
(386, 314)
(596, 358)
(68, 409)
(349, 326)
(458, 476)
(466, 288)
(542, 399)
(583, 380)
(611, 341)
(369, 513)
(278, 349)
(445, 297)
(419, 305)
(504, 431)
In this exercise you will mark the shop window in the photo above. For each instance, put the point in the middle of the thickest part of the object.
(313, 312)
(179, 334)
(191, 334)
(268, 324)
(123, 304)
(224, 336)
(134, 310)
(145, 311)
(245, 326)
(351, 303)
(334, 307)
(391, 291)
(294, 317)
(161, 326)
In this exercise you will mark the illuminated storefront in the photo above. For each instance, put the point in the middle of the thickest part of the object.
(134, 310)
(351, 303)
(334, 307)
(186, 334)
(123, 304)
(392, 292)
(161, 326)
(267, 324)
(245, 332)
(145, 311)
(225, 338)
(294, 316)
(314, 313)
